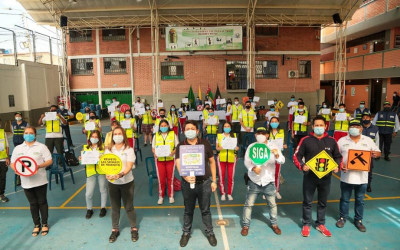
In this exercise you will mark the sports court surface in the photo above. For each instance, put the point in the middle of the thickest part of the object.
(160, 226)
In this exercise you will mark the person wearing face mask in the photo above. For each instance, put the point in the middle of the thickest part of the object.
(86, 115)
(204, 186)
(4, 162)
(182, 116)
(342, 126)
(292, 104)
(137, 106)
(228, 111)
(205, 115)
(17, 128)
(309, 147)
(211, 122)
(198, 101)
(325, 112)
(396, 102)
(299, 130)
(236, 111)
(277, 135)
(247, 120)
(388, 124)
(54, 132)
(262, 180)
(352, 179)
(271, 113)
(97, 125)
(372, 132)
(121, 186)
(173, 118)
(360, 110)
(147, 125)
(93, 172)
(165, 165)
(68, 115)
(108, 139)
(118, 114)
(158, 120)
(226, 161)
(35, 186)
(129, 124)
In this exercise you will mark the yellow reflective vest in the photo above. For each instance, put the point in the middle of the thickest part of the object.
(53, 126)
(226, 155)
(119, 115)
(3, 154)
(169, 140)
(96, 127)
(146, 118)
(342, 125)
(248, 118)
(173, 119)
(212, 129)
(92, 169)
(298, 126)
(236, 111)
(129, 131)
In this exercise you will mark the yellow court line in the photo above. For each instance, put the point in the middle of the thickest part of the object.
(73, 196)
(336, 176)
(369, 197)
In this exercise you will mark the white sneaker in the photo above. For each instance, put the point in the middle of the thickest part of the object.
(281, 179)
(171, 200)
(278, 196)
(223, 197)
(160, 201)
(264, 197)
(230, 197)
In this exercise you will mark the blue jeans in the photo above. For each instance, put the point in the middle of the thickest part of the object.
(252, 193)
(359, 193)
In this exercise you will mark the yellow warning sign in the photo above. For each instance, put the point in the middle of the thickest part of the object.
(79, 116)
(279, 104)
(322, 164)
(359, 160)
(110, 164)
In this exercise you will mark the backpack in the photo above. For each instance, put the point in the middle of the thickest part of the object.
(70, 158)
(177, 185)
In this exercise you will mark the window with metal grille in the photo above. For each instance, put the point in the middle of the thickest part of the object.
(397, 41)
(114, 65)
(82, 66)
(113, 34)
(236, 72)
(304, 69)
(172, 70)
(80, 36)
(266, 69)
(11, 101)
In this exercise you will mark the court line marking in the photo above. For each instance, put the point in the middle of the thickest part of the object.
(226, 205)
(390, 177)
(73, 196)
(220, 217)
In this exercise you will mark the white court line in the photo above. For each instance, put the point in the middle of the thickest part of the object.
(220, 217)
(390, 177)
(51, 180)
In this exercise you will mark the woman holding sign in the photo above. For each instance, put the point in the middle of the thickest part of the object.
(94, 149)
(174, 119)
(147, 125)
(211, 122)
(129, 124)
(164, 143)
(227, 146)
(91, 125)
(29, 160)
(121, 185)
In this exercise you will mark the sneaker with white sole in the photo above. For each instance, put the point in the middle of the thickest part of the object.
(160, 201)
(264, 198)
(171, 200)
(230, 197)
(278, 196)
(223, 197)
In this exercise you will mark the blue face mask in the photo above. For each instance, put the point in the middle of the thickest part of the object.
(362, 106)
(341, 110)
(128, 116)
(274, 124)
(292, 99)
(212, 113)
(319, 130)
(227, 130)
(172, 109)
(354, 131)
(163, 129)
(272, 109)
(29, 137)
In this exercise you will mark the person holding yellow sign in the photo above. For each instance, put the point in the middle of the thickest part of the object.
(91, 125)
(318, 143)
(354, 179)
(121, 185)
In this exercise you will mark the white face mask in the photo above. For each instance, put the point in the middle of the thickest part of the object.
(94, 140)
(236, 102)
(61, 107)
(118, 139)
(190, 134)
(18, 118)
(261, 138)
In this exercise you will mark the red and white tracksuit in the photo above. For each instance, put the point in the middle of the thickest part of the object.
(165, 173)
(277, 173)
(224, 167)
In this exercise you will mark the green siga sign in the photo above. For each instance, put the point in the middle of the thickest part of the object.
(259, 153)
(108, 102)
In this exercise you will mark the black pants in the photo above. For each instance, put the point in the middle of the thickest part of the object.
(3, 176)
(57, 143)
(68, 135)
(370, 173)
(138, 124)
(311, 183)
(201, 193)
(37, 198)
(124, 192)
(385, 141)
(297, 139)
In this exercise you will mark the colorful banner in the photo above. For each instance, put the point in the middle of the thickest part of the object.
(203, 38)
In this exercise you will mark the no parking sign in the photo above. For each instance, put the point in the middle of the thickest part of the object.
(124, 107)
(25, 166)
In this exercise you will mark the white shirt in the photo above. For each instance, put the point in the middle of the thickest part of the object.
(53, 134)
(126, 155)
(346, 143)
(271, 114)
(40, 153)
(240, 117)
(7, 144)
(291, 105)
(267, 174)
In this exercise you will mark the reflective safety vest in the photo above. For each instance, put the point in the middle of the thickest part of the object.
(146, 118)
(248, 118)
(129, 131)
(386, 122)
(158, 120)
(371, 131)
(3, 154)
(236, 111)
(173, 119)
(92, 169)
(64, 114)
(298, 126)
(359, 113)
(119, 115)
(327, 117)
(18, 129)
(226, 155)
(212, 129)
(169, 140)
(96, 127)
(205, 114)
(342, 125)
(53, 126)
(279, 135)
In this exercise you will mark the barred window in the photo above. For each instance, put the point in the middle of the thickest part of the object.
(80, 36)
(114, 65)
(266, 69)
(304, 69)
(172, 70)
(113, 34)
(83, 66)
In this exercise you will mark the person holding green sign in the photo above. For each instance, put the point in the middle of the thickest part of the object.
(260, 159)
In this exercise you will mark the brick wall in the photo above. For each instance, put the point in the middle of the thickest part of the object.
(353, 102)
(114, 47)
(83, 81)
(373, 61)
(354, 64)
(115, 80)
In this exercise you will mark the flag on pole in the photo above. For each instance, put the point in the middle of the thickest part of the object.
(200, 92)
(217, 93)
(210, 95)
(191, 98)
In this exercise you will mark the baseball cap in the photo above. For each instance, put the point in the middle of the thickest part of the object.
(354, 122)
(386, 103)
(362, 102)
(366, 113)
(261, 130)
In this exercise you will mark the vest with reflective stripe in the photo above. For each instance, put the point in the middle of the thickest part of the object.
(236, 111)
(119, 115)
(386, 122)
(3, 154)
(53, 126)
(298, 126)
(173, 119)
(129, 131)
(342, 125)
(96, 128)
(279, 135)
(212, 129)
(18, 136)
(371, 131)
(205, 114)
(64, 114)
(359, 113)
(225, 155)
(169, 140)
(248, 118)
(147, 119)
(92, 169)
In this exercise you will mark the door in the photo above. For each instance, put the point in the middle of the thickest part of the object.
(376, 95)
